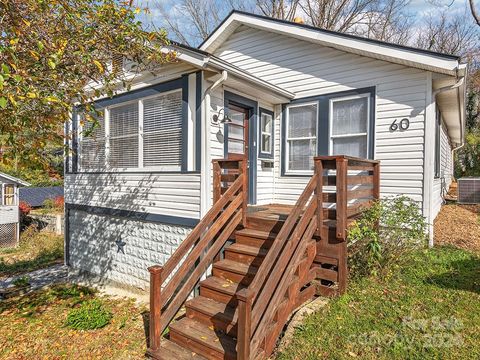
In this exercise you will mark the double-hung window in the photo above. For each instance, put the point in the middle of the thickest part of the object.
(136, 134)
(330, 124)
(301, 137)
(349, 123)
(8, 194)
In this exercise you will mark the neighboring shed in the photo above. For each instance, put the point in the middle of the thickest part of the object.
(36, 196)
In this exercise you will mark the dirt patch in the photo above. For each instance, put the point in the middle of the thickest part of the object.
(458, 225)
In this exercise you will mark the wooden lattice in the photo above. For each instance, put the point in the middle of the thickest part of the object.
(8, 235)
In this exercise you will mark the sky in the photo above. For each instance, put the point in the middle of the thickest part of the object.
(417, 8)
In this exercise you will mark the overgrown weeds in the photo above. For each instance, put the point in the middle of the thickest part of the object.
(384, 235)
(36, 250)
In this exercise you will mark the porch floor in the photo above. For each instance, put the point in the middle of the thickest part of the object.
(277, 212)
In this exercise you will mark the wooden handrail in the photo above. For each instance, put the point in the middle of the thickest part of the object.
(264, 294)
(171, 284)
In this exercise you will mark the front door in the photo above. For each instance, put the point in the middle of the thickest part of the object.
(237, 132)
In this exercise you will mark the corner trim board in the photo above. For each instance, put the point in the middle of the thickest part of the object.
(133, 215)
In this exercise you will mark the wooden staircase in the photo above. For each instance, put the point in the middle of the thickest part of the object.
(265, 262)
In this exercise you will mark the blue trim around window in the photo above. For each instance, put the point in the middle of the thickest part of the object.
(180, 83)
(252, 106)
(323, 139)
(261, 154)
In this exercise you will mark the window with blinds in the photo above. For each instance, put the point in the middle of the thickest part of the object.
(123, 137)
(145, 133)
(92, 143)
(162, 131)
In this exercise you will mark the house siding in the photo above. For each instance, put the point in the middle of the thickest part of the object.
(309, 70)
(446, 173)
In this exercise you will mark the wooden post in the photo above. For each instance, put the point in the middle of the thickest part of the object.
(217, 178)
(319, 195)
(376, 181)
(244, 299)
(155, 306)
(242, 167)
(341, 184)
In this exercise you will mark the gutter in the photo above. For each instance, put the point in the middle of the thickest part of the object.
(456, 86)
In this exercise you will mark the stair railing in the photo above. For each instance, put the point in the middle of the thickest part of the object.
(171, 284)
(356, 184)
(259, 302)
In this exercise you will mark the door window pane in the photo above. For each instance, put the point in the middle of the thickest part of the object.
(266, 131)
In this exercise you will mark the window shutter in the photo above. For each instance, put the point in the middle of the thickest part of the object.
(92, 145)
(162, 131)
(123, 139)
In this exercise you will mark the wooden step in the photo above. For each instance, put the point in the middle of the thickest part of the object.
(254, 237)
(234, 271)
(213, 313)
(250, 255)
(264, 224)
(220, 290)
(169, 350)
(202, 340)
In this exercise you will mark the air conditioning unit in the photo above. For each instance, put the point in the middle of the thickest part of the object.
(469, 190)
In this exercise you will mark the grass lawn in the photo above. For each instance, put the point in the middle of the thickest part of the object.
(36, 250)
(33, 327)
(429, 309)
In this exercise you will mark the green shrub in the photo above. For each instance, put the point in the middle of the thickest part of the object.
(90, 315)
(384, 235)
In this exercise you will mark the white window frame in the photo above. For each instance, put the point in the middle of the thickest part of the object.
(15, 196)
(268, 133)
(287, 138)
(140, 166)
(331, 137)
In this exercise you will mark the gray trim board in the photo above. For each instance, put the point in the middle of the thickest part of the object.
(141, 93)
(323, 123)
(198, 120)
(184, 165)
(134, 215)
(74, 168)
(252, 106)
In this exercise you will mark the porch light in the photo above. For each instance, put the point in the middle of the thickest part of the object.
(221, 117)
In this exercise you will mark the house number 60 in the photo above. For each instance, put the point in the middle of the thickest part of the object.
(403, 125)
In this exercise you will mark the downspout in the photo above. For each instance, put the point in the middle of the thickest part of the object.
(434, 97)
(206, 158)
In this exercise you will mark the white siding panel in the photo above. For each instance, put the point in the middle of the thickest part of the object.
(165, 194)
(309, 70)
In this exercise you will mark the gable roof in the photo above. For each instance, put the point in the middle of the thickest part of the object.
(13, 179)
(405, 55)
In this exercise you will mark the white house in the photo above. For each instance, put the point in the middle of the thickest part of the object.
(276, 91)
(9, 210)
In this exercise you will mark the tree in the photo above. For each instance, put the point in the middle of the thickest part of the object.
(191, 21)
(54, 53)
(473, 10)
